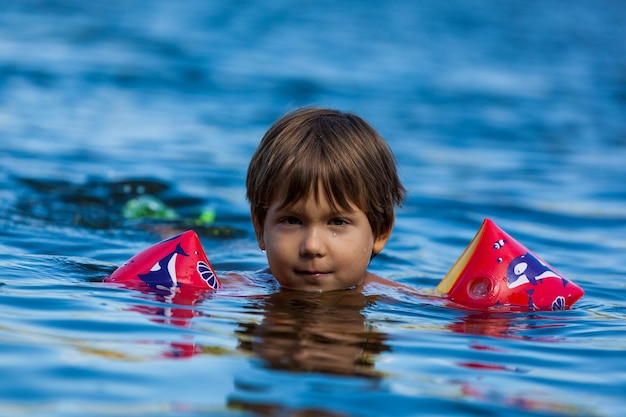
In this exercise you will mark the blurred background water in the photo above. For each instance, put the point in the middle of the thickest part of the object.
(509, 110)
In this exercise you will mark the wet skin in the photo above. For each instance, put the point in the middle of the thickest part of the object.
(312, 247)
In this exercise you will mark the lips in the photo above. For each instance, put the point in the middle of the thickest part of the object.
(311, 274)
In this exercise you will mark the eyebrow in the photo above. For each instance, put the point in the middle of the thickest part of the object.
(334, 211)
(335, 205)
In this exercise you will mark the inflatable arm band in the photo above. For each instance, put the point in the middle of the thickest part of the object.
(175, 264)
(496, 271)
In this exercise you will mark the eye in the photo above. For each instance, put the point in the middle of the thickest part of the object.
(520, 268)
(338, 222)
(290, 220)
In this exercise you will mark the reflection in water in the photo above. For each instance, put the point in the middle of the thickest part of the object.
(279, 410)
(176, 309)
(315, 333)
(307, 333)
(505, 325)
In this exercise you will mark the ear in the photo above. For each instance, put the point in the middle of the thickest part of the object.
(380, 242)
(258, 231)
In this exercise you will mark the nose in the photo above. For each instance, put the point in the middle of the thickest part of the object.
(312, 244)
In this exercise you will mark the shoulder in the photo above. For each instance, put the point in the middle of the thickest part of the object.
(373, 279)
(247, 283)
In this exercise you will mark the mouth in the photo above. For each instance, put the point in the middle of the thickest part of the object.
(311, 275)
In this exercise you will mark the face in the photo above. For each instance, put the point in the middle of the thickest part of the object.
(311, 247)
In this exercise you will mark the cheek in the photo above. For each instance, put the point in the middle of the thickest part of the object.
(367, 240)
(357, 253)
(276, 245)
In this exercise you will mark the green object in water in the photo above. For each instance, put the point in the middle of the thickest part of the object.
(206, 217)
(148, 207)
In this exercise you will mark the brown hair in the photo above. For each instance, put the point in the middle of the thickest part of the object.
(312, 149)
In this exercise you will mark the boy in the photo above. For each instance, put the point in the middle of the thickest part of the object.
(322, 187)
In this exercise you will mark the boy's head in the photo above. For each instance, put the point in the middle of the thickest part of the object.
(312, 151)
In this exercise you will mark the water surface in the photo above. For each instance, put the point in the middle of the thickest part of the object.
(512, 111)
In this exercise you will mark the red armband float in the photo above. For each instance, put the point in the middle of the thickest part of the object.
(173, 265)
(497, 272)
(178, 272)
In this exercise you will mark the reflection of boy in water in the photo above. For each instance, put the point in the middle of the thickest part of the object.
(322, 187)
(315, 333)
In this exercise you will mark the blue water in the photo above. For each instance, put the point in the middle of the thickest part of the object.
(509, 110)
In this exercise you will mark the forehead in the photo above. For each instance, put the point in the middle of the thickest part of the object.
(315, 197)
